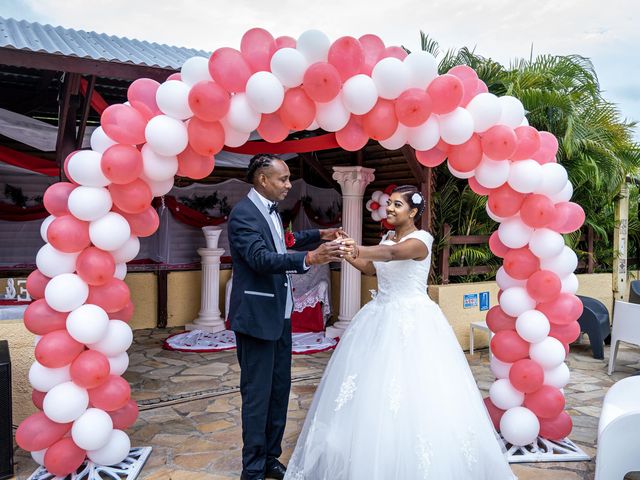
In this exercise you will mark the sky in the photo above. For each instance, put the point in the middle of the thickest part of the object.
(606, 32)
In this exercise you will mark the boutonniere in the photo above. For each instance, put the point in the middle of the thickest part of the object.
(289, 237)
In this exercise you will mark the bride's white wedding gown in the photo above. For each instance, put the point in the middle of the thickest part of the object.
(398, 400)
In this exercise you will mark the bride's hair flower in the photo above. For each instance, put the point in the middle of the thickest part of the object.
(416, 198)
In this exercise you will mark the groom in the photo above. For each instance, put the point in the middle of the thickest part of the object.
(260, 309)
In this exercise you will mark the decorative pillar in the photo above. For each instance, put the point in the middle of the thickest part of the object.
(353, 181)
(209, 318)
(620, 237)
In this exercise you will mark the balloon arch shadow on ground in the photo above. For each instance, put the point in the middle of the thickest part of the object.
(357, 90)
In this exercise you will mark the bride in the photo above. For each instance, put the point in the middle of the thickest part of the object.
(398, 400)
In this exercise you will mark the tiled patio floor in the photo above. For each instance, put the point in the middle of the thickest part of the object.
(190, 409)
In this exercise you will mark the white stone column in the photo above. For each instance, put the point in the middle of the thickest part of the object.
(353, 181)
(620, 240)
(209, 318)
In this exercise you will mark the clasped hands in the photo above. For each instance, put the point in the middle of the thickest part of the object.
(338, 246)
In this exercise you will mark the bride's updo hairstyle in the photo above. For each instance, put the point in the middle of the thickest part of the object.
(413, 197)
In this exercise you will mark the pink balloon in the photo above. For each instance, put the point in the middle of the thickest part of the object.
(229, 69)
(477, 188)
(124, 124)
(56, 197)
(546, 402)
(469, 79)
(63, 457)
(443, 146)
(37, 398)
(347, 55)
(396, 52)
(205, 138)
(125, 314)
(57, 349)
(497, 320)
(528, 142)
(95, 266)
(509, 347)
(431, 158)
(566, 308)
(548, 148)
(373, 48)
(381, 121)
(37, 432)
(90, 369)
(257, 47)
(285, 42)
(526, 375)
(134, 197)
(495, 413)
(193, 165)
(520, 263)
(209, 101)
(496, 246)
(111, 296)
(112, 394)
(575, 218)
(297, 111)
(352, 137)
(68, 234)
(321, 82)
(36, 283)
(446, 93)
(482, 88)
(271, 128)
(556, 428)
(124, 417)
(467, 156)
(544, 286)
(142, 224)
(560, 216)
(413, 107)
(565, 333)
(121, 163)
(537, 211)
(499, 142)
(142, 96)
(174, 76)
(40, 318)
(504, 201)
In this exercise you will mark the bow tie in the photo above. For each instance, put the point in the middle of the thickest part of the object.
(273, 208)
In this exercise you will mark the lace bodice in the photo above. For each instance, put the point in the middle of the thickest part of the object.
(402, 278)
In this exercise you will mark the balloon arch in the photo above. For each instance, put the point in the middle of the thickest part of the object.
(357, 88)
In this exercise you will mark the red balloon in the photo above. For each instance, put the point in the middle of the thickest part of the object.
(142, 224)
(56, 197)
(297, 111)
(90, 369)
(271, 128)
(321, 82)
(142, 96)
(111, 297)
(477, 188)
(520, 263)
(229, 69)
(193, 165)
(352, 137)
(124, 417)
(504, 201)
(206, 138)
(496, 246)
(285, 41)
(37, 432)
(381, 121)
(495, 413)
(134, 197)
(544, 286)
(546, 402)
(565, 333)
(556, 428)
(431, 158)
(68, 234)
(548, 148)
(528, 142)
(125, 314)
(36, 283)
(121, 163)
(499, 142)
(347, 55)
(373, 47)
(57, 349)
(112, 394)
(37, 398)
(498, 321)
(526, 375)
(396, 52)
(63, 457)
(467, 156)
(95, 266)
(124, 124)
(446, 93)
(209, 101)
(566, 308)
(257, 47)
(469, 79)
(413, 107)
(509, 347)
(65, 168)
(537, 211)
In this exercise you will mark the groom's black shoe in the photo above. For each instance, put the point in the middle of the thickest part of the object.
(275, 470)
(244, 476)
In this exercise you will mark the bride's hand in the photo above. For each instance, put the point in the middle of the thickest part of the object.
(351, 247)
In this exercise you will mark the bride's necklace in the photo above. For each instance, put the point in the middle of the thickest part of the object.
(397, 237)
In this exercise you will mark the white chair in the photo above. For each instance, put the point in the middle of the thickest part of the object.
(626, 328)
(478, 326)
(619, 431)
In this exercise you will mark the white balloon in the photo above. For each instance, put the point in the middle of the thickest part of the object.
(423, 68)
(89, 203)
(109, 232)
(233, 137)
(504, 280)
(92, 429)
(118, 363)
(194, 70)
(375, 216)
(515, 301)
(519, 426)
(504, 395)
(172, 98)
(525, 176)
(289, 65)
(65, 402)
(100, 141)
(485, 110)
(84, 169)
(391, 77)
(554, 179)
(397, 140)
(44, 379)
(382, 211)
(549, 353)
(264, 92)
(375, 196)
(512, 111)
(570, 284)
(87, 323)
(116, 340)
(425, 136)
(313, 126)
(546, 243)
(332, 116)
(166, 135)
(66, 292)
(38, 456)
(115, 451)
(456, 127)
(128, 251)
(492, 173)
(52, 262)
(158, 167)
(359, 94)
(459, 174)
(563, 264)
(557, 377)
(563, 195)
(533, 326)
(121, 271)
(314, 45)
(492, 215)
(45, 226)
(524, 123)
(514, 233)
(158, 188)
(499, 368)
(383, 199)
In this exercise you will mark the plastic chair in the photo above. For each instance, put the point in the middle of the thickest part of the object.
(594, 321)
(634, 292)
(619, 431)
(626, 328)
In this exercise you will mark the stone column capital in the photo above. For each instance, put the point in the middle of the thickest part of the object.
(353, 180)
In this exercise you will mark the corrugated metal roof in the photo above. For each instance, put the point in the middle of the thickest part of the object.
(23, 35)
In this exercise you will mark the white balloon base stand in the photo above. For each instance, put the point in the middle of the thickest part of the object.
(544, 450)
(128, 469)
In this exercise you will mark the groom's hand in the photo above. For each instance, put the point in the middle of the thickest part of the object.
(329, 234)
(325, 253)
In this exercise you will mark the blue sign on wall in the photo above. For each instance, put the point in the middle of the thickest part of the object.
(470, 300)
(484, 301)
